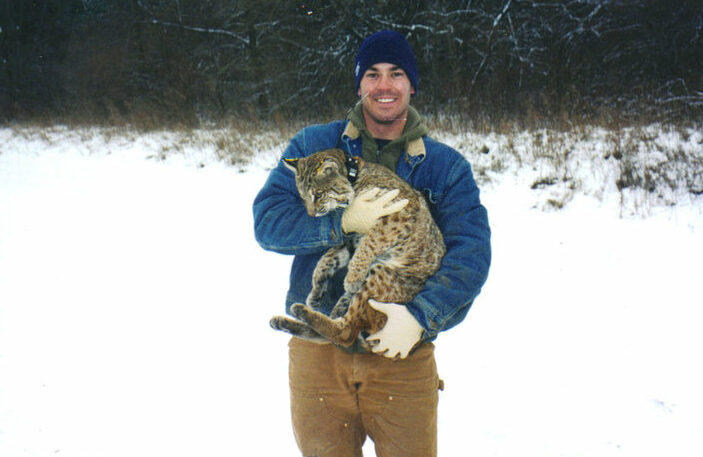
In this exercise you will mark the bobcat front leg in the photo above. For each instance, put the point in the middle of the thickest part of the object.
(373, 245)
(332, 261)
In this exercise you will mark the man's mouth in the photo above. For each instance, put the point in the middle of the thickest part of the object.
(385, 100)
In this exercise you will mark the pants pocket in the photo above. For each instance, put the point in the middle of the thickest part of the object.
(324, 426)
(402, 406)
(406, 425)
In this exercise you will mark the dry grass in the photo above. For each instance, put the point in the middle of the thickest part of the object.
(647, 165)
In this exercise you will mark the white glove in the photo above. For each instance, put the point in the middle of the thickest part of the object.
(399, 335)
(368, 207)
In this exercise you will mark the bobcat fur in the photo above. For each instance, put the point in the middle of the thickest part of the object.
(389, 264)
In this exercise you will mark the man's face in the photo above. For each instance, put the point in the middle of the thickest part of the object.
(385, 90)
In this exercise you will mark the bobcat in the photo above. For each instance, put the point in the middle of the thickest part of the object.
(390, 263)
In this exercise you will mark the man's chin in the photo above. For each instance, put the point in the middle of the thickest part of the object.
(386, 119)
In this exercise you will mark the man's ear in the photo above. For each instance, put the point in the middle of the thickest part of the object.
(291, 164)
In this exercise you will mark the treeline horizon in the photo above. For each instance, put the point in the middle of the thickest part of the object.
(185, 62)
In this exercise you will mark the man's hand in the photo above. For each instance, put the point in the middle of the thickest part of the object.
(399, 335)
(368, 207)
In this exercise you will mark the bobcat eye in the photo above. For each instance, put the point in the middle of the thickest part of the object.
(317, 194)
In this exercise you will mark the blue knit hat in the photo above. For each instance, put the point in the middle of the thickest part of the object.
(389, 47)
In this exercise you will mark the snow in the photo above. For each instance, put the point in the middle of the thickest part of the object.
(134, 305)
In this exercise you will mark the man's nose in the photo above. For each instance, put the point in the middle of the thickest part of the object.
(384, 81)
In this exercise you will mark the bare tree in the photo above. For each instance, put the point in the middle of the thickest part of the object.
(186, 60)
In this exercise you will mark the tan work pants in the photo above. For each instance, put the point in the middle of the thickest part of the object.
(339, 398)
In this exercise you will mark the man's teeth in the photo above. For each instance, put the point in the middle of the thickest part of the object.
(385, 100)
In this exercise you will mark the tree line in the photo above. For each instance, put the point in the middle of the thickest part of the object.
(186, 61)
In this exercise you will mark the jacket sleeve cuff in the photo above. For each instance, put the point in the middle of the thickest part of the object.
(431, 320)
(334, 228)
(425, 314)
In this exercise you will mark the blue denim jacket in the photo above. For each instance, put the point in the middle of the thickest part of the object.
(282, 225)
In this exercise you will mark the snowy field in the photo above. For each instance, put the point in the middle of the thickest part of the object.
(134, 302)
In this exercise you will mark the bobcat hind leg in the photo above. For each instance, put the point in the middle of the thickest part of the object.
(342, 306)
(295, 328)
(342, 331)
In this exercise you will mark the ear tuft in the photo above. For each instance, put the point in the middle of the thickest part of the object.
(291, 164)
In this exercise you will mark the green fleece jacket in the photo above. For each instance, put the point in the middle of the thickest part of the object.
(390, 153)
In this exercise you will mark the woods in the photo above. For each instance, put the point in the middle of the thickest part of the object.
(157, 62)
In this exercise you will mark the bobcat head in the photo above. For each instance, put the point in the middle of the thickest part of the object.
(321, 179)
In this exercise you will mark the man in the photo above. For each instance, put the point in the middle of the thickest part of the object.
(341, 396)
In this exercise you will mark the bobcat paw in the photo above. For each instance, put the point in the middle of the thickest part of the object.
(306, 314)
(313, 302)
(295, 328)
(283, 323)
(299, 310)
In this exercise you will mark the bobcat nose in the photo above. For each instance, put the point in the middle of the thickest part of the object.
(312, 211)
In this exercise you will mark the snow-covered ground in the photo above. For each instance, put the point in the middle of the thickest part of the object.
(134, 304)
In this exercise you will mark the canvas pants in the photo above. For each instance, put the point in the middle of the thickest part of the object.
(340, 398)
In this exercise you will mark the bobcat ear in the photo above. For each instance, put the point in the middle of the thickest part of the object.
(327, 167)
(291, 164)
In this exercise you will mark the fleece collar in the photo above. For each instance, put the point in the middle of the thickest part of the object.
(411, 138)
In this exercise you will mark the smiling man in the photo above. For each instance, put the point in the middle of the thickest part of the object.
(341, 396)
(385, 91)
(385, 76)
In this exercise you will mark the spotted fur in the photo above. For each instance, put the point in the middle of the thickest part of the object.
(389, 264)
